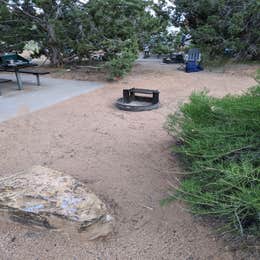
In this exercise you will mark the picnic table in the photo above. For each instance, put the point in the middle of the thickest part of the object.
(12, 62)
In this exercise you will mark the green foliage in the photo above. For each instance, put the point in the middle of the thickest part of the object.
(15, 32)
(67, 29)
(258, 75)
(222, 25)
(161, 49)
(153, 27)
(162, 43)
(121, 56)
(219, 144)
(121, 65)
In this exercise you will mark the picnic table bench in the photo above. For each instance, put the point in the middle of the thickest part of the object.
(19, 71)
(35, 73)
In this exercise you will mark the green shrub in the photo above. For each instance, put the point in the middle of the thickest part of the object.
(219, 145)
(257, 78)
(160, 49)
(121, 65)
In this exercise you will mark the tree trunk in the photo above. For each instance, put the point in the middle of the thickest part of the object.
(54, 52)
(55, 56)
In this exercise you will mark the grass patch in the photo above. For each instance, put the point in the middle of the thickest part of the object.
(257, 77)
(219, 145)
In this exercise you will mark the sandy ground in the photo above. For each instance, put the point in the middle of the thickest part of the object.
(126, 159)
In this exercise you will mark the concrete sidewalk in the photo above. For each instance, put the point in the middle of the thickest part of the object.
(14, 102)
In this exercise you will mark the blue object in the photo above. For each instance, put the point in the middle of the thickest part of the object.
(192, 66)
(193, 61)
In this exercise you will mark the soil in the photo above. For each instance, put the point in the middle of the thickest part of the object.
(126, 159)
(87, 73)
(78, 74)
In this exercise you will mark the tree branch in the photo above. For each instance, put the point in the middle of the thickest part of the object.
(20, 10)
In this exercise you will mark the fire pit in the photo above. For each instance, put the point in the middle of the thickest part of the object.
(133, 102)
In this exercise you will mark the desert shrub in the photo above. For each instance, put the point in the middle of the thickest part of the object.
(219, 146)
(121, 65)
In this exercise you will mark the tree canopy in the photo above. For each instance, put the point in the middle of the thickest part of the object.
(66, 28)
(217, 26)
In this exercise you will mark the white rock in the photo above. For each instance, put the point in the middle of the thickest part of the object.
(47, 198)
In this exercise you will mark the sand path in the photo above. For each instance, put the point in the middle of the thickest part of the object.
(126, 159)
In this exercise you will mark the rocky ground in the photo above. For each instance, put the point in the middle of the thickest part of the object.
(126, 159)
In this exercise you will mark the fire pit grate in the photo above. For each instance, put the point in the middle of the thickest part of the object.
(133, 102)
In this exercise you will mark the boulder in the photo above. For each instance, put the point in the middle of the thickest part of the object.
(49, 199)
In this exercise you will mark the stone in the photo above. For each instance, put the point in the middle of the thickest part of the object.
(49, 199)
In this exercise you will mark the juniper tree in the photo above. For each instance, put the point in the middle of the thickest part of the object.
(224, 24)
(65, 29)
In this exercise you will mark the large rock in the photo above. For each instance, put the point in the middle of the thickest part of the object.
(49, 199)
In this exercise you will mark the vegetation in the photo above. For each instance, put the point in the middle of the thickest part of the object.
(71, 30)
(67, 31)
(219, 138)
(219, 146)
(121, 65)
(15, 32)
(225, 27)
(162, 43)
(257, 78)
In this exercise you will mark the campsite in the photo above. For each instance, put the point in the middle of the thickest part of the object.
(129, 130)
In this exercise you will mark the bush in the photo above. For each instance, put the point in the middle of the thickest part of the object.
(161, 49)
(219, 144)
(121, 65)
(257, 78)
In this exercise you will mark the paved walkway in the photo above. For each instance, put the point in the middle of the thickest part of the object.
(14, 102)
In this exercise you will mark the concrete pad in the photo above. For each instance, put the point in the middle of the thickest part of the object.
(15, 102)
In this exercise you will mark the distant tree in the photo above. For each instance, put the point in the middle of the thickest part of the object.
(115, 21)
(218, 25)
(154, 22)
(114, 26)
